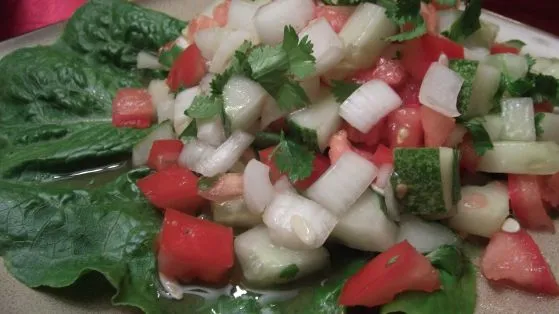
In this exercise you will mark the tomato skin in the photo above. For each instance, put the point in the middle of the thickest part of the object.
(172, 188)
(336, 16)
(164, 154)
(428, 12)
(515, 259)
(544, 107)
(404, 128)
(132, 107)
(390, 71)
(221, 13)
(400, 268)
(188, 69)
(498, 48)
(370, 138)
(192, 248)
(550, 189)
(320, 165)
(383, 155)
(201, 22)
(410, 94)
(469, 159)
(526, 202)
(278, 125)
(436, 126)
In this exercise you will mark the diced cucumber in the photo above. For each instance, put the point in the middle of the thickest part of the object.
(264, 263)
(484, 87)
(549, 124)
(234, 213)
(243, 100)
(315, 124)
(365, 226)
(425, 236)
(447, 18)
(425, 179)
(140, 152)
(518, 118)
(494, 125)
(512, 65)
(467, 70)
(483, 37)
(546, 66)
(482, 209)
(538, 158)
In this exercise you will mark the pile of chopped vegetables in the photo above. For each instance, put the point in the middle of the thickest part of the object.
(400, 129)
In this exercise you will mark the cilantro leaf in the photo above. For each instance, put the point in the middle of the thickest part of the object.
(268, 63)
(342, 89)
(406, 12)
(419, 30)
(190, 132)
(538, 118)
(539, 87)
(450, 3)
(481, 139)
(205, 106)
(518, 44)
(301, 60)
(293, 159)
(291, 96)
(468, 22)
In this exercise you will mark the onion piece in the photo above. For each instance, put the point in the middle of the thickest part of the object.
(226, 154)
(369, 104)
(476, 53)
(271, 18)
(171, 286)
(342, 184)
(147, 61)
(208, 40)
(241, 16)
(392, 207)
(384, 174)
(140, 152)
(284, 185)
(211, 130)
(511, 225)
(270, 112)
(227, 48)
(298, 223)
(440, 88)
(162, 99)
(424, 236)
(205, 83)
(518, 117)
(234, 213)
(183, 101)
(311, 86)
(258, 189)
(243, 100)
(193, 152)
(328, 49)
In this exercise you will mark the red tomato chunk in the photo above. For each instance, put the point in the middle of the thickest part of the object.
(192, 248)
(132, 107)
(164, 154)
(188, 69)
(404, 128)
(172, 188)
(527, 204)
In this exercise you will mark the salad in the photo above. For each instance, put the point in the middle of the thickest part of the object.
(287, 156)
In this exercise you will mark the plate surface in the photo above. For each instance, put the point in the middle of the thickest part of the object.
(15, 298)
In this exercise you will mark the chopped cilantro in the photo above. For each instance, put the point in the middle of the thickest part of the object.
(342, 89)
(268, 63)
(191, 131)
(481, 139)
(449, 3)
(206, 183)
(293, 159)
(538, 118)
(468, 22)
(205, 106)
(289, 272)
(406, 12)
(539, 87)
(299, 52)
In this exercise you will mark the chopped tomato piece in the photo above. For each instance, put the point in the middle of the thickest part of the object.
(383, 155)
(515, 259)
(550, 189)
(436, 126)
(370, 138)
(526, 202)
(337, 16)
(200, 22)
(188, 69)
(429, 14)
(192, 248)
(164, 154)
(339, 144)
(172, 188)
(320, 165)
(400, 268)
(221, 13)
(404, 128)
(410, 94)
(278, 125)
(132, 107)
(498, 48)
(435, 45)
(544, 107)
(469, 159)
(390, 71)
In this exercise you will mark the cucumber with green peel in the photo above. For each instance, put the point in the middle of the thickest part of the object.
(425, 180)
(467, 70)
(315, 124)
(483, 37)
(482, 209)
(537, 158)
(549, 125)
(512, 65)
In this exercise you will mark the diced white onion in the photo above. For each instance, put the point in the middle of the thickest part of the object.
(262, 261)
(511, 225)
(172, 287)
(447, 18)
(271, 18)
(311, 86)
(298, 223)
(328, 49)
(342, 184)
(211, 130)
(369, 104)
(443, 59)
(193, 152)
(147, 61)
(226, 154)
(440, 88)
(162, 99)
(183, 101)
(241, 15)
(518, 116)
(243, 99)
(476, 53)
(392, 207)
(383, 176)
(208, 40)
(140, 152)
(234, 213)
(205, 83)
(365, 226)
(424, 236)
(258, 189)
(227, 48)
(270, 112)
(284, 185)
